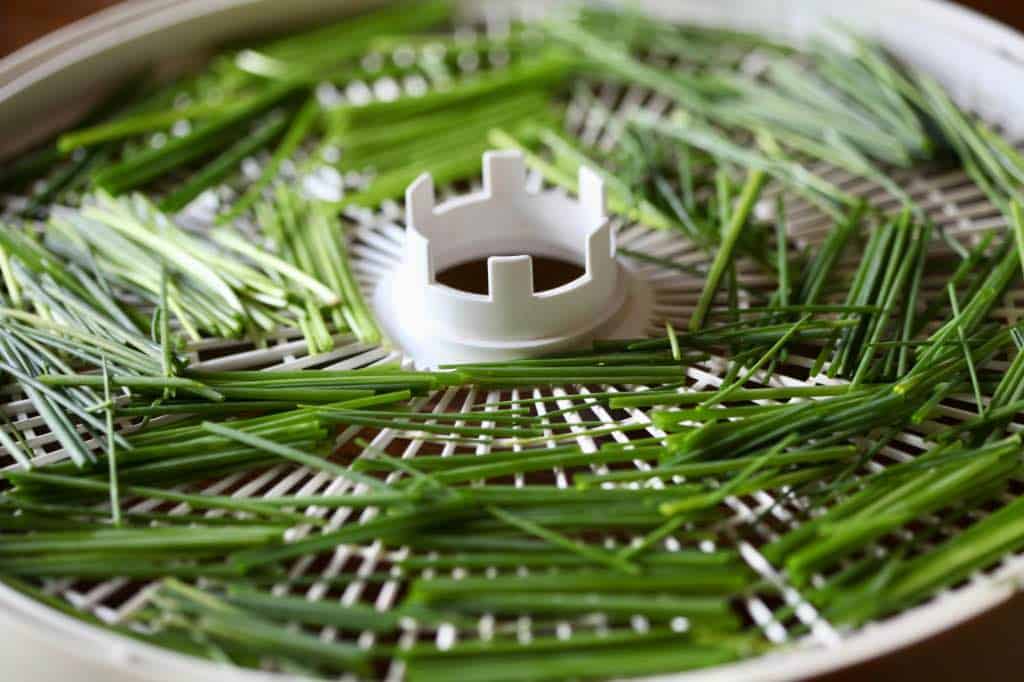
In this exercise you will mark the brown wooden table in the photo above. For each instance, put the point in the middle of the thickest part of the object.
(985, 649)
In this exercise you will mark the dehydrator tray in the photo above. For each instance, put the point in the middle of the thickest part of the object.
(94, 624)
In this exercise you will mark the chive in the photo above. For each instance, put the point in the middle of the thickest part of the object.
(661, 580)
(673, 341)
(537, 645)
(626, 661)
(478, 468)
(948, 563)
(21, 453)
(540, 72)
(539, 558)
(160, 383)
(910, 309)
(375, 499)
(356, 418)
(730, 234)
(130, 126)
(62, 181)
(782, 251)
(246, 631)
(156, 540)
(730, 389)
(219, 168)
(297, 132)
(272, 263)
(714, 611)
(445, 169)
(212, 134)
(382, 527)
(115, 497)
(559, 540)
(820, 268)
(1017, 225)
(692, 503)
(648, 398)
(896, 275)
(97, 566)
(419, 478)
(355, 617)
(26, 481)
(967, 351)
(292, 454)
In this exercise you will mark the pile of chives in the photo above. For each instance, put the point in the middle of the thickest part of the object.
(595, 489)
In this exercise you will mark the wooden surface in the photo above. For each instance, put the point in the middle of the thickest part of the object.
(986, 649)
(22, 21)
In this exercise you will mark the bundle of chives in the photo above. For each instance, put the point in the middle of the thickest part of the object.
(250, 93)
(324, 48)
(242, 627)
(221, 166)
(569, 158)
(864, 126)
(386, 147)
(301, 125)
(882, 280)
(135, 244)
(290, 224)
(209, 292)
(213, 134)
(692, 44)
(941, 483)
(691, 131)
(856, 532)
(946, 564)
(172, 454)
(75, 318)
(537, 74)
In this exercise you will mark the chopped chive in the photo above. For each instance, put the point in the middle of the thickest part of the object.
(596, 555)
(730, 234)
(115, 497)
(673, 341)
(300, 127)
(293, 454)
(967, 351)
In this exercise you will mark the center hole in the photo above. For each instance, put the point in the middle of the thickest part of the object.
(471, 276)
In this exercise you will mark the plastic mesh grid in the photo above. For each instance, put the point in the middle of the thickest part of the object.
(368, 575)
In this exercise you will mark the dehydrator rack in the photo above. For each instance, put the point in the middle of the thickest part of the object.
(978, 60)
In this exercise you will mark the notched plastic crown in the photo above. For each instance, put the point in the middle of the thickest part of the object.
(507, 219)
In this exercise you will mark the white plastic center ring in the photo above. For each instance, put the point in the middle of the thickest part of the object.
(436, 323)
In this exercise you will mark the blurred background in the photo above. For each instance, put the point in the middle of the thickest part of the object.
(22, 21)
